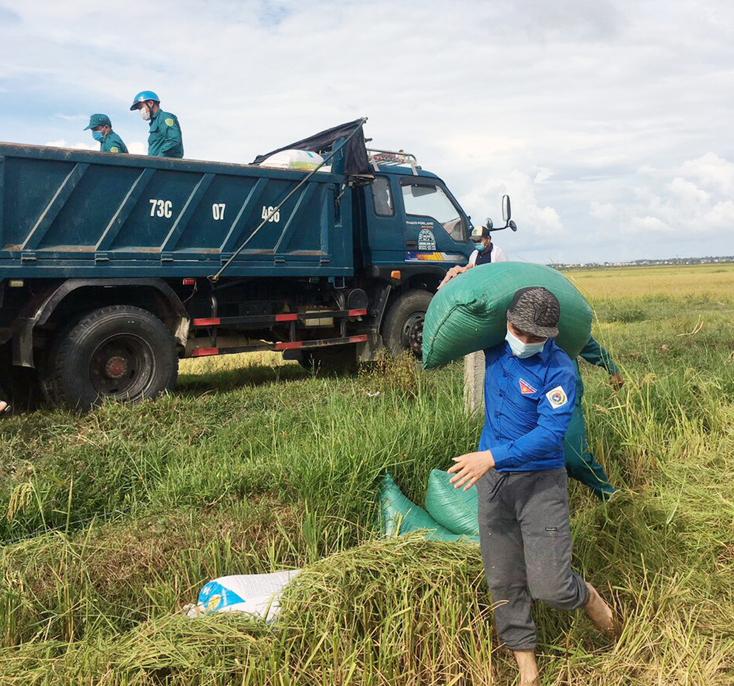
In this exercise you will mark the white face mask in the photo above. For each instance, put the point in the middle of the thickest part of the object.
(521, 349)
(144, 113)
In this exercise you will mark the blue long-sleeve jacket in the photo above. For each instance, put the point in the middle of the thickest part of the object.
(528, 405)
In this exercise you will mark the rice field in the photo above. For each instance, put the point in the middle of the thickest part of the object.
(112, 521)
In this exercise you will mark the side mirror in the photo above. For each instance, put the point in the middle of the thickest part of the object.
(513, 226)
(506, 209)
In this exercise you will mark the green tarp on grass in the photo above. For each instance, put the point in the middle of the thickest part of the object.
(399, 516)
(453, 508)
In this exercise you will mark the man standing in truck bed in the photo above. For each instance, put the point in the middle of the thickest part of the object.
(524, 527)
(109, 141)
(165, 138)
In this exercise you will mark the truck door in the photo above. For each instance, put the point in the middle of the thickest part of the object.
(436, 229)
(383, 244)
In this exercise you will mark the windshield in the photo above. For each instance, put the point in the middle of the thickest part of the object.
(432, 201)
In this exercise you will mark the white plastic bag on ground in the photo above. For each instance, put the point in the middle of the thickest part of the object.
(255, 594)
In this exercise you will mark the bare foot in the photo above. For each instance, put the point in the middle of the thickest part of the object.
(599, 612)
(528, 667)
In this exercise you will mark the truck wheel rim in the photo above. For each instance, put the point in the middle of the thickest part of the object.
(412, 338)
(121, 367)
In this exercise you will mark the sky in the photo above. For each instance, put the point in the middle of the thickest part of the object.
(607, 122)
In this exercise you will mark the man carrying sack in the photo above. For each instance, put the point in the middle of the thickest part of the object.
(519, 472)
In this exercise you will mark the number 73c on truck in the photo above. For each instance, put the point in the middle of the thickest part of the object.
(113, 267)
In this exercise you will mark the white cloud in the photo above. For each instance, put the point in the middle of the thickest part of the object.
(676, 210)
(712, 172)
(645, 226)
(72, 117)
(602, 210)
(720, 216)
(137, 148)
(61, 143)
(688, 193)
(134, 148)
(543, 221)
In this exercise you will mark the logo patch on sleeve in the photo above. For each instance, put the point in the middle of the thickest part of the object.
(526, 388)
(557, 397)
(114, 149)
(169, 121)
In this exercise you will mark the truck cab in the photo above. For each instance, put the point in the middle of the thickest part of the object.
(414, 218)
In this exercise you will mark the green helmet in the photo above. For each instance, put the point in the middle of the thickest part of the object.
(99, 120)
(142, 97)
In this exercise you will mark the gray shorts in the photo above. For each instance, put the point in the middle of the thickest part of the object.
(525, 539)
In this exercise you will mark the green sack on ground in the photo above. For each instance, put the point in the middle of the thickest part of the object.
(453, 508)
(470, 312)
(399, 516)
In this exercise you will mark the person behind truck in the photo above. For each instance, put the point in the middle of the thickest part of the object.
(101, 127)
(485, 253)
(580, 463)
(165, 138)
(519, 472)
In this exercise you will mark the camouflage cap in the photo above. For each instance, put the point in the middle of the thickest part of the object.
(99, 120)
(536, 311)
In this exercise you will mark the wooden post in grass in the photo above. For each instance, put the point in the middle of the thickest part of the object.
(474, 382)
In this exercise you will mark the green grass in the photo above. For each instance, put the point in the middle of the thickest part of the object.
(113, 520)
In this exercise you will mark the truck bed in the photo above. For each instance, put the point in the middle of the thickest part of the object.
(67, 213)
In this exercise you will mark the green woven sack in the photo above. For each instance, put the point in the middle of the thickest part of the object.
(399, 516)
(453, 508)
(470, 312)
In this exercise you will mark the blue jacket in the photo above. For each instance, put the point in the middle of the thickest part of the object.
(528, 405)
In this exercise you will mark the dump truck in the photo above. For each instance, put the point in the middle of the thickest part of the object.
(114, 267)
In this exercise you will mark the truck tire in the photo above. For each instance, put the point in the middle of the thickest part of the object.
(339, 359)
(121, 352)
(403, 325)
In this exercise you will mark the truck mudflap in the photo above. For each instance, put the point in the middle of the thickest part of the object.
(279, 347)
